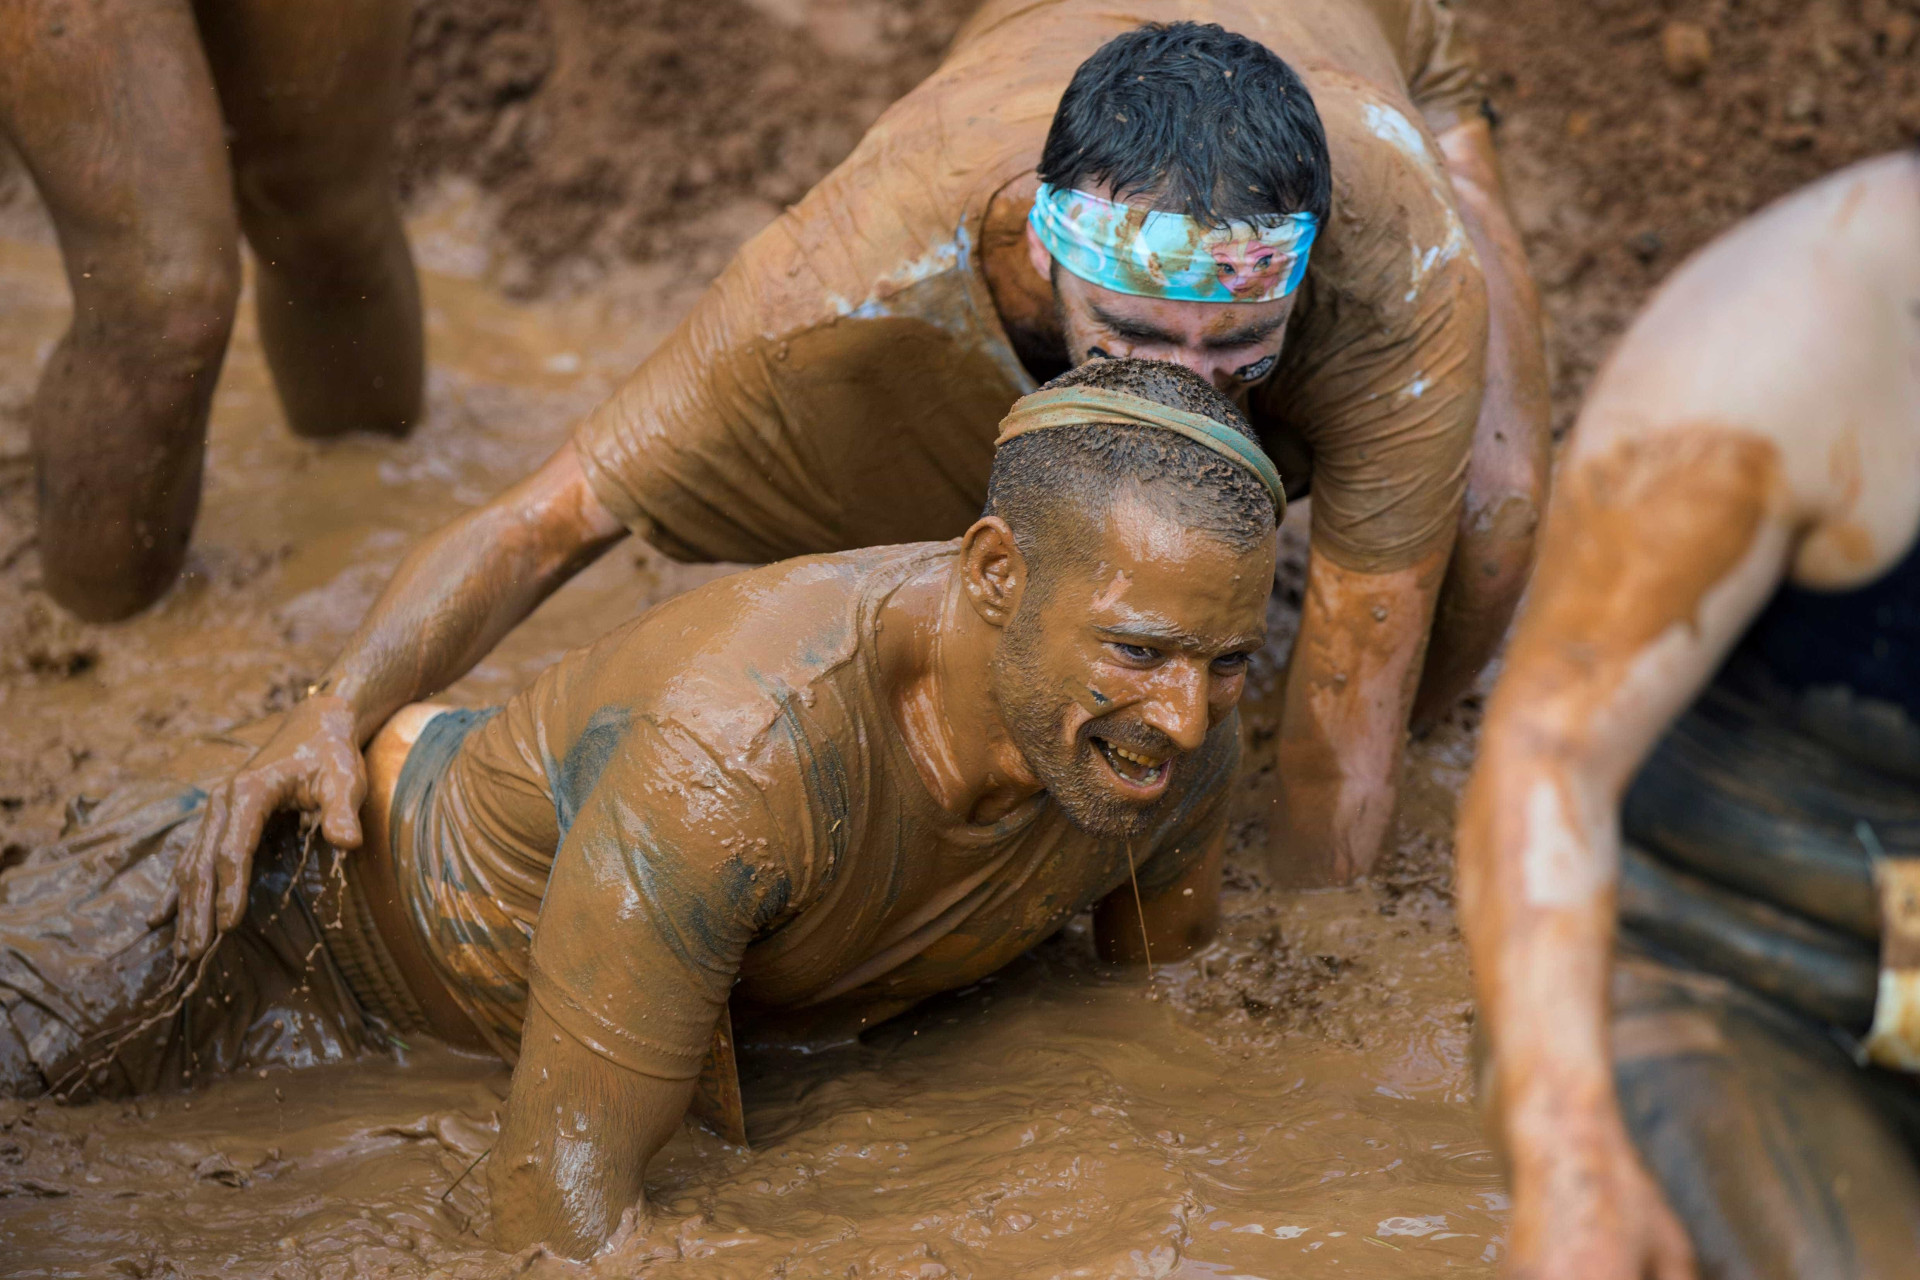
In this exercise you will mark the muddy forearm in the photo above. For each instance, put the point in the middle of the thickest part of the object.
(574, 1142)
(1350, 686)
(1660, 553)
(1537, 908)
(1180, 918)
(467, 585)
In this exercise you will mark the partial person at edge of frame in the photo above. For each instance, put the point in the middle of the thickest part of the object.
(806, 797)
(1690, 849)
(157, 133)
(841, 382)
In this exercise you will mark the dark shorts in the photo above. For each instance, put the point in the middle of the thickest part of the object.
(1747, 972)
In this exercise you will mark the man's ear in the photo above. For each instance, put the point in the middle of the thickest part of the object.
(1037, 255)
(995, 571)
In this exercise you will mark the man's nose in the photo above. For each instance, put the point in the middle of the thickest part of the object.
(1178, 707)
(1212, 368)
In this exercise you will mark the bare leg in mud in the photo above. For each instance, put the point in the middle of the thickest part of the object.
(116, 110)
(311, 89)
(128, 155)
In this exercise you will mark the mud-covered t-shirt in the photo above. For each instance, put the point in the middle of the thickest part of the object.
(841, 383)
(731, 802)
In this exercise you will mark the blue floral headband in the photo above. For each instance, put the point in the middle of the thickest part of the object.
(1154, 254)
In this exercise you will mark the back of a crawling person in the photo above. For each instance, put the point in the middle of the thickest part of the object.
(799, 799)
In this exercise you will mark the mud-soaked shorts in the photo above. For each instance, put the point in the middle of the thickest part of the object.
(92, 1001)
(1781, 1155)
(1747, 971)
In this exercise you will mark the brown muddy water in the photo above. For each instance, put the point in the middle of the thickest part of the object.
(1295, 1101)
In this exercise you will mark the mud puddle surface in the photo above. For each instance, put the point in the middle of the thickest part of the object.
(1058, 1120)
(1295, 1098)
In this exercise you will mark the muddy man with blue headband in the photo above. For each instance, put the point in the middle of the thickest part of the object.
(1184, 266)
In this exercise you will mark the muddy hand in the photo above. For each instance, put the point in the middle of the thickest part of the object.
(1588, 1210)
(313, 763)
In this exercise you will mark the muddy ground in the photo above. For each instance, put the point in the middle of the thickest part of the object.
(576, 170)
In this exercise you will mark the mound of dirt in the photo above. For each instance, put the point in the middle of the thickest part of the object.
(609, 129)
(1633, 132)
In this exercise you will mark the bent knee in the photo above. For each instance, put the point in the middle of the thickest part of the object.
(386, 755)
(303, 211)
(172, 295)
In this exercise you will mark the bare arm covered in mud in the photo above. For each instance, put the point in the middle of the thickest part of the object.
(579, 1130)
(1430, 442)
(575, 1140)
(1756, 424)
(1363, 668)
(452, 599)
(1509, 467)
(1350, 689)
(1658, 554)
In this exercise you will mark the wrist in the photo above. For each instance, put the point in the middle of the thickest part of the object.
(337, 694)
(323, 701)
(1548, 1114)
(330, 713)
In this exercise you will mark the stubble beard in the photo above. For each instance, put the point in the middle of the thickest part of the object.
(1036, 722)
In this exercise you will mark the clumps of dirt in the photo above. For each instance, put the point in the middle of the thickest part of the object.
(46, 643)
(608, 129)
(1260, 980)
(1636, 130)
(1415, 877)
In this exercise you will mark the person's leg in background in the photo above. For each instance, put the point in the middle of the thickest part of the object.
(311, 90)
(113, 111)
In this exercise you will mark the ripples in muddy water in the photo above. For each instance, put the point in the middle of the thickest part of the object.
(1058, 1120)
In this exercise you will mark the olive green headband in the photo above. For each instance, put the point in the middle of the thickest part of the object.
(1087, 406)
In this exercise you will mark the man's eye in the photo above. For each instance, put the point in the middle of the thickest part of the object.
(1098, 353)
(1230, 664)
(1258, 369)
(1136, 652)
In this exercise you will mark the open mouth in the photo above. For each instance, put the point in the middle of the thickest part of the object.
(1139, 774)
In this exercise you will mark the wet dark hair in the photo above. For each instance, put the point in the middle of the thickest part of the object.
(1196, 119)
(1054, 487)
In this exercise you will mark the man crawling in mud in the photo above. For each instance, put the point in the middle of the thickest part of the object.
(1329, 249)
(157, 133)
(817, 792)
(1708, 730)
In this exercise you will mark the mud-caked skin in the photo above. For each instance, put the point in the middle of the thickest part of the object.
(158, 134)
(841, 383)
(1757, 431)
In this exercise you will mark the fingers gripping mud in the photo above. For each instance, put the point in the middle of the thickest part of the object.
(313, 764)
